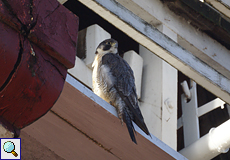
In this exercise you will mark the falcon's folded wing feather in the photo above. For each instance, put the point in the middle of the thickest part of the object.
(125, 85)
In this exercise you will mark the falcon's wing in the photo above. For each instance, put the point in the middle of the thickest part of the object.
(125, 85)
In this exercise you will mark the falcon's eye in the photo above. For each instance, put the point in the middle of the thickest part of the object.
(109, 43)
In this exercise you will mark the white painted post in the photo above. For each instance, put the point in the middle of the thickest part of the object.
(136, 63)
(159, 94)
(190, 117)
(169, 105)
(151, 90)
(169, 96)
(94, 36)
(81, 72)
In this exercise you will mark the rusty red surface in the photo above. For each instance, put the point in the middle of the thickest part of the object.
(9, 51)
(44, 21)
(37, 45)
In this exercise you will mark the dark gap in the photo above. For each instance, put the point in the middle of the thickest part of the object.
(180, 139)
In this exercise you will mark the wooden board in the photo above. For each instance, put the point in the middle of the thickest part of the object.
(93, 121)
(64, 140)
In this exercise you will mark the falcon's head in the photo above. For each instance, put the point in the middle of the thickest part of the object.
(107, 46)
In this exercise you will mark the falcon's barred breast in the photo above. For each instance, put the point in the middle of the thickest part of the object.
(113, 80)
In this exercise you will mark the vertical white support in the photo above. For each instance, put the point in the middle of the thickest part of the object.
(151, 90)
(190, 117)
(88, 41)
(136, 63)
(81, 72)
(169, 105)
(159, 95)
(169, 97)
(94, 36)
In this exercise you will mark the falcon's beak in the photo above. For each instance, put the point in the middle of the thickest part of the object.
(115, 44)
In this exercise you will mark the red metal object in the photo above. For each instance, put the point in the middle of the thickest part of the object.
(37, 46)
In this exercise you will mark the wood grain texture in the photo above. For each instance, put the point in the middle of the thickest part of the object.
(33, 88)
(9, 50)
(38, 44)
(33, 149)
(47, 23)
(103, 127)
(64, 140)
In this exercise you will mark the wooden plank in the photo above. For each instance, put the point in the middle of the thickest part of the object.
(105, 128)
(33, 149)
(64, 140)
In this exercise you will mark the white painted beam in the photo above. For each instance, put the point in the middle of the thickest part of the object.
(62, 1)
(208, 107)
(162, 46)
(221, 6)
(205, 48)
(226, 2)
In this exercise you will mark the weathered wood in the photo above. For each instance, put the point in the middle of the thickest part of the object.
(9, 50)
(89, 117)
(47, 23)
(64, 140)
(56, 31)
(33, 87)
(38, 44)
(33, 149)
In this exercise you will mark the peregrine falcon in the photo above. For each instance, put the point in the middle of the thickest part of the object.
(113, 81)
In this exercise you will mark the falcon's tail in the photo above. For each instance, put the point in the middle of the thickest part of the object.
(129, 125)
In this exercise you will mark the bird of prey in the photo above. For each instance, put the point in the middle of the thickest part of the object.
(113, 81)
